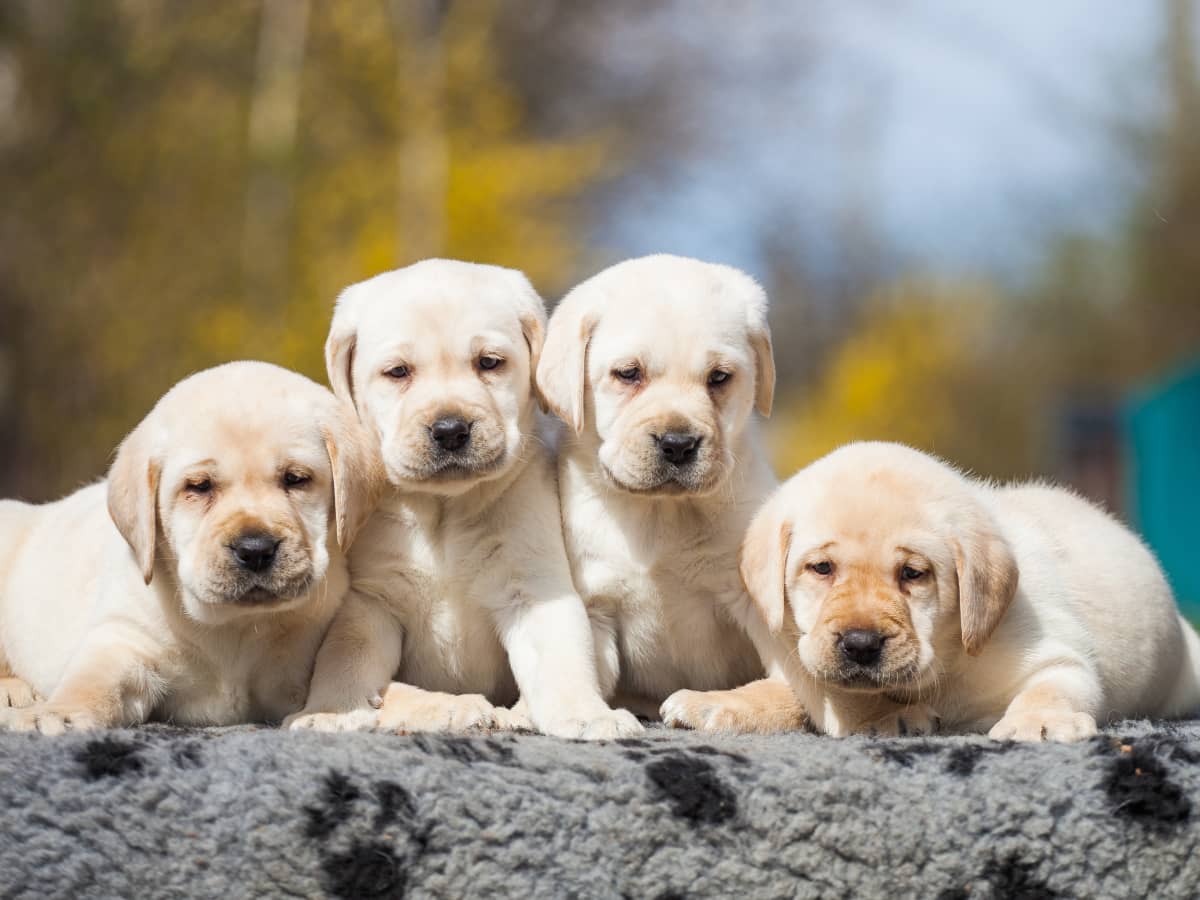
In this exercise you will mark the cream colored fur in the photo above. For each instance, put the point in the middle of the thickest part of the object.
(461, 589)
(123, 602)
(653, 546)
(1033, 614)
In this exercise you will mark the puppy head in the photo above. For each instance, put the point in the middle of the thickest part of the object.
(437, 359)
(235, 483)
(879, 561)
(662, 359)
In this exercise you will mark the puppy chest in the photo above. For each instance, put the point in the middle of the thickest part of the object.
(229, 690)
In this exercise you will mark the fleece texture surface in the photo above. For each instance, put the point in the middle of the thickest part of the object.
(248, 812)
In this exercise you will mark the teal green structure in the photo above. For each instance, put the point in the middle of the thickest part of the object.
(1162, 426)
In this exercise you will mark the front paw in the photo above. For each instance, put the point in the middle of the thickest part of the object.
(47, 718)
(16, 693)
(601, 724)
(408, 709)
(1044, 725)
(917, 719)
(355, 720)
(761, 707)
(701, 710)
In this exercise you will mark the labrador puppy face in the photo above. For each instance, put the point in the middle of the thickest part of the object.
(662, 358)
(235, 481)
(437, 359)
(881, 564)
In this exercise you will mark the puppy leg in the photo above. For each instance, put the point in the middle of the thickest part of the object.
(1054, 705)
(110, 683)
(406, 708)
(550, 649)
(760, 707)
(607, 654)
(359, 656)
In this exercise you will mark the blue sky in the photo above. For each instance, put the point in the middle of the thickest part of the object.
(969, 132)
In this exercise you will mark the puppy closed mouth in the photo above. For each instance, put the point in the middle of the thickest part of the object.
(263, 595)
(669, 484)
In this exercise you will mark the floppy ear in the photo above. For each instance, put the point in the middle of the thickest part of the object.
(760, 340)
(358, 472)
(532, 313)
(358, 476)
(763, 562)
(987, 581)
(339, 348)
(562, 369)
(764, 369)
(133, 496)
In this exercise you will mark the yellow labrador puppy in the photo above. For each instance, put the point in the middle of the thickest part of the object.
(904, 593)
(656, 365)
(460, 580)
(196, 584)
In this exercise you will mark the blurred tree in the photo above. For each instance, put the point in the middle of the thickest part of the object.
(927, 363)
(190, 183)
(988, 378)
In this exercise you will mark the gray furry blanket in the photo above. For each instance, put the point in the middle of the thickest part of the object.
(230, 813)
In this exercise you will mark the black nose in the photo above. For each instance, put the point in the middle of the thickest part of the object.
(678, 447)
(451, 432)
(255, 551)
(862, 646)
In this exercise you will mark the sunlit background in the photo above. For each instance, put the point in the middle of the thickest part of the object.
(979, 223)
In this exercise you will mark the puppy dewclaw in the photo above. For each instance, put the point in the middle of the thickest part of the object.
(196, 583)
(906, 594)
(461, 589)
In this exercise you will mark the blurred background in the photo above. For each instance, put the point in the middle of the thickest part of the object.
(979, 223)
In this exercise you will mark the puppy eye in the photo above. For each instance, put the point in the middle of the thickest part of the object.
(822, 568)
(487, 362)
(295, 479)
(200, 486)
(908, 573)
(397, 372)
(629, 374)
(718, 377)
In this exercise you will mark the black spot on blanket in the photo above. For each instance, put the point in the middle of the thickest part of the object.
(691, 786)
(187, 755)
(394, 802)
(1139, 786)
(902, 752)
(109, 756)
(1010, 879)
(366, 869)
(963, 759)
(335, 806)
(713, 751)
(465, 750)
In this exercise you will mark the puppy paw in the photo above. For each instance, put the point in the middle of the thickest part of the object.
(515, 719)
(598, 725)
(408, 709)
(908, 721)
(48, 719)
(15, 693)
(355, 720)
(762, 707)
(1044, 725)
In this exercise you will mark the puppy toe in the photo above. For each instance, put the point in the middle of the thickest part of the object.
(1046, 725)
(355, 720)
(15, 693)
(472, 712)
(602, 725)
(515, 719)
(685, 709)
